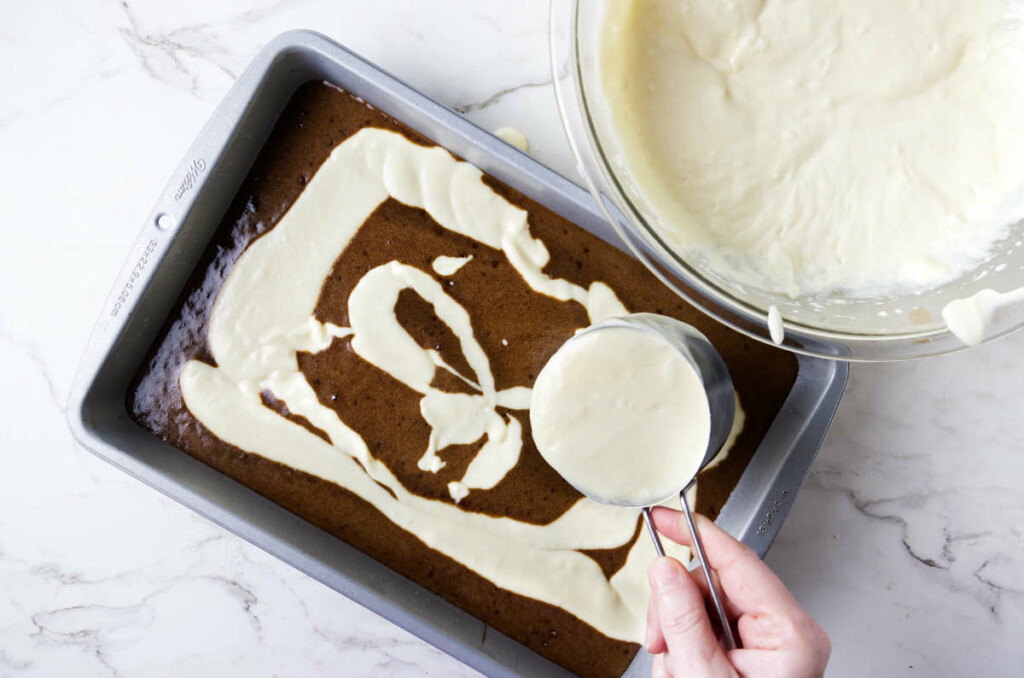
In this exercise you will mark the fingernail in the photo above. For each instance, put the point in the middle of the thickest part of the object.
(665, 574)
(701, 522)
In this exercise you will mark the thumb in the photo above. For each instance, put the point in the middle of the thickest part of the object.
(693, 649)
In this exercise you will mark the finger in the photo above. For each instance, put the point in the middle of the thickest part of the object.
(766, 664)
(766, 631)
(784, 664)
(732, 611)
(654, 641)
(797, 634)
(658, 668)
(692, 646)
(748, 583)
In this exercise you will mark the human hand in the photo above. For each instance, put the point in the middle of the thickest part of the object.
(779, 639)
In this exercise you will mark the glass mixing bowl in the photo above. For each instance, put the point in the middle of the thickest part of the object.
(837, 326)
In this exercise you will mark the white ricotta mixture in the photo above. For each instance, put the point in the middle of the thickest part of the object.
(776, 327)
(513, 137)
(621, 415)
(264, 315)
(447, 266)
(808, 147)
(970, 319)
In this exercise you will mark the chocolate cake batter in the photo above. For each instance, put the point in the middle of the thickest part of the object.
(519, 330)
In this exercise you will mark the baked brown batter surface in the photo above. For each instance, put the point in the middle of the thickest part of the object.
(386, 413)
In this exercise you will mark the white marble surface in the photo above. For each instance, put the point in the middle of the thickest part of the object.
(907, 543)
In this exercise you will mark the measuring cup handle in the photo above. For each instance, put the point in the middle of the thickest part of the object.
(716, 597)
(649, 522)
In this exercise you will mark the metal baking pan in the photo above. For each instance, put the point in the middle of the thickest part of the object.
(170, 244)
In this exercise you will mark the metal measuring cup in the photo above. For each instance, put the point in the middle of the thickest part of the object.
(718, 387)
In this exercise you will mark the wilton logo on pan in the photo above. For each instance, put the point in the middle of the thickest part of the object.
(197, 167)
(768, 517)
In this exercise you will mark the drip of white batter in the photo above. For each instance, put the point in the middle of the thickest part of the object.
(805, 147)
(776, 329)
(446, 266)
(970, 319)
(263, 316)
(513, 137)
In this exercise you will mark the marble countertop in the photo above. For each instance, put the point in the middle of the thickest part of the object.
(906, 543)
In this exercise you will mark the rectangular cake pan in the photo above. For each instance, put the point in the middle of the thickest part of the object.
(169, 246)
